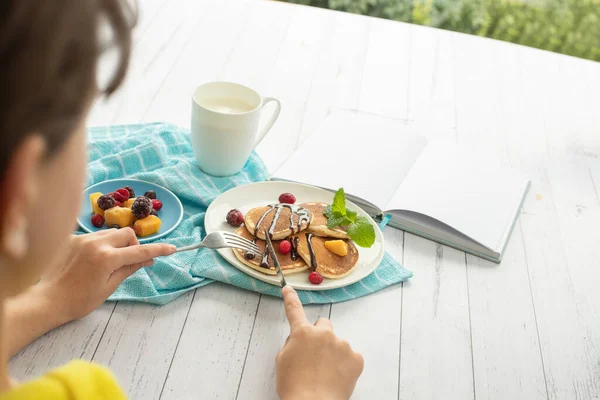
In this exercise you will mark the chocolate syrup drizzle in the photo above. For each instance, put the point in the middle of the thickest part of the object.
(303, 217)
(294, 253)
(313, 257)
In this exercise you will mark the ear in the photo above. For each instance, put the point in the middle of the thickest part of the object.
(19, 193)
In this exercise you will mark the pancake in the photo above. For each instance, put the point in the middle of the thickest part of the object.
(329, 265)
(288, 266)
(282, 228)
(318, 226)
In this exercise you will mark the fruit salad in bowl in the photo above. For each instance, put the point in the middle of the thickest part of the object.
(145, 207)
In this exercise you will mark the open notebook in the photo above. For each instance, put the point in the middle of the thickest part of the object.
(437, 190)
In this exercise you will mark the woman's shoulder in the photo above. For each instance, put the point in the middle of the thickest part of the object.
(73, 381)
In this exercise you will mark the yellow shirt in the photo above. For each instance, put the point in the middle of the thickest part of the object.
(78, 380)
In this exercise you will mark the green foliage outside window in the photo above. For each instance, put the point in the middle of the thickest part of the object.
(565, 26)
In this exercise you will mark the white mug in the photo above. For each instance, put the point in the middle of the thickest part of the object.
(225, 119)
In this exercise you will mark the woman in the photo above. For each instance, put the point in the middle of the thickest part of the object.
(49, 54)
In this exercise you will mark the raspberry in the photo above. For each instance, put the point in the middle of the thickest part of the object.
(285, 246)
(235, 217)
(287, 198)
(141, 207)
(118, 196)
(105, 202)
(315, 278)
(156, 204)
(118, 204)
(131, 192)
(150, 194)
(123, 192)
(98, 220)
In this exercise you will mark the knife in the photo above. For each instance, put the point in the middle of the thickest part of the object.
(275, 260)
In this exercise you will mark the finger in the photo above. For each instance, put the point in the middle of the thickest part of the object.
(125, 272)
(124, 237)
(293, 308)
(360, 362)
(140, 253)
(103, 232)
(324, 323)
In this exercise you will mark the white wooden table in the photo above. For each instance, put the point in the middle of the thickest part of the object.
(462, 328)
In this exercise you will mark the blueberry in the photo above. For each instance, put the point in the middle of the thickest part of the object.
(131, 192)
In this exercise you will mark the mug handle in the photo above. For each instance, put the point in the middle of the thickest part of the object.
(265, 129)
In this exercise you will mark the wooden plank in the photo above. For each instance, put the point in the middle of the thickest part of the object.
(527, 110)
(385, 80)
(200, 61)
(268, 336)
(75, 340)
(372, 326)
(297, 57)
(281, 141)
(154, 56)
(139, 344)
(478, 65)
(337, 79)
(257, 48)
(431, 83)
(146, 16)
(571, 118)
(210, 356)
(506, 350)
(554, 294)
(291, 75)
(578, 207)
(147, 13)
(436, 359)
(503, 321)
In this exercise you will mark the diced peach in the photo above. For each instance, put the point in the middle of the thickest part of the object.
(128, 203)
(94, 202)
(118, 216)
(147, 226)
(338, 247)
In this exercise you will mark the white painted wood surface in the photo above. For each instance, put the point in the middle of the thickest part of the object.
(461, 328)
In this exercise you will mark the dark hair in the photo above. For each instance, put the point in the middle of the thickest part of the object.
(49, 54)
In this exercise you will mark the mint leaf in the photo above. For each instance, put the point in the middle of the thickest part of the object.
(339, 203)
(334, 221)
(328, 212)
(362, 232)
(351, 215)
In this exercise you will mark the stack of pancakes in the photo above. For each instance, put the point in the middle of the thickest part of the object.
(328, 264)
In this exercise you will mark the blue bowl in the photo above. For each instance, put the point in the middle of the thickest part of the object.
(170, 214)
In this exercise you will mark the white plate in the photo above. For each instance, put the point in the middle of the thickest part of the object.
(253, 195)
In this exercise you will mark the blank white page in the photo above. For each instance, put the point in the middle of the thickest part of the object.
(464, 190)
(367, 155)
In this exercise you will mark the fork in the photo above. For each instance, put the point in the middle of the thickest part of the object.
(219, 240)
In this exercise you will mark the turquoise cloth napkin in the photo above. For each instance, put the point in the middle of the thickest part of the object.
(162, 153)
